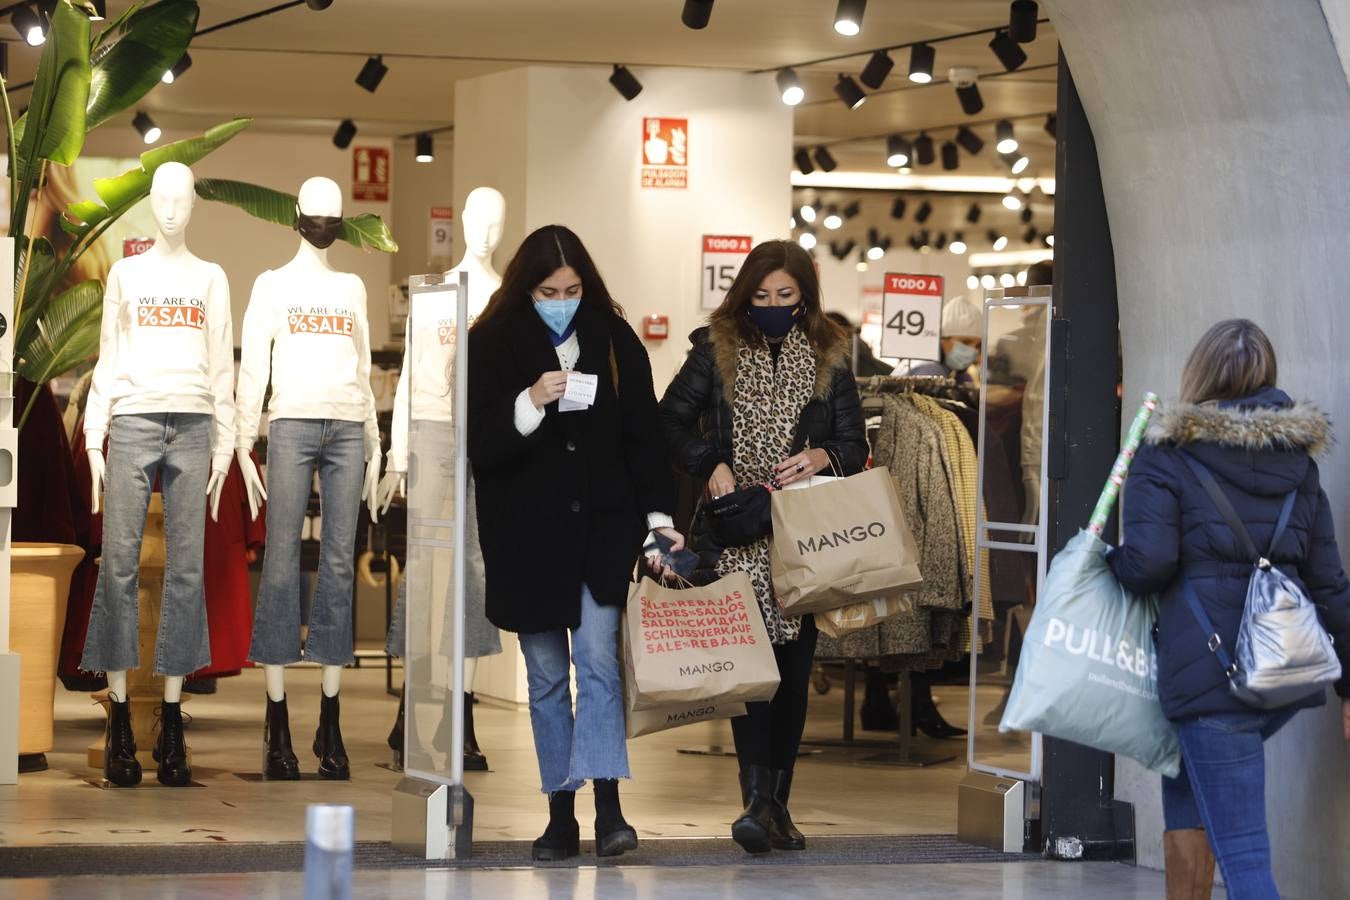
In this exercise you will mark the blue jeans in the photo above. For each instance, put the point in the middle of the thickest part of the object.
(593, 745)
(177, 448)
(1222, 789)
(295, 448)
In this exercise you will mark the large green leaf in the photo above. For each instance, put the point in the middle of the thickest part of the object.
(366, 231)
(31, 297)
(66, 335)
(54, 126)
(133, 53)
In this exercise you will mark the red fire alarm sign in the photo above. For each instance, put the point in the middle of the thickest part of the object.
(656, 328)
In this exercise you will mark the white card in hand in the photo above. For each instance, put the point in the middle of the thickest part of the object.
(580, 392)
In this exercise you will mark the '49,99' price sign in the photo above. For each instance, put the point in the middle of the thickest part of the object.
(911, 317)
(723, 255)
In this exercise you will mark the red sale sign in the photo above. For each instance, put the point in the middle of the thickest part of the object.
(136, 246)
(723, 255)
(665, 153)
(911, 315)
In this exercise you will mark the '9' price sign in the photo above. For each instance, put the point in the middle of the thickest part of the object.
(722, 259)
(911, 317)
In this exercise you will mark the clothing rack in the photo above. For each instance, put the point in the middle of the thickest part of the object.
(899, 752)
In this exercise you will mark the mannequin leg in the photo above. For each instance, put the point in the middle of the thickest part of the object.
(276, 683)
(332, 680)
(117, 686)
(173, 688)
(470, 670)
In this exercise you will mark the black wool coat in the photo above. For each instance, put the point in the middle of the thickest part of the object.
(567, 504)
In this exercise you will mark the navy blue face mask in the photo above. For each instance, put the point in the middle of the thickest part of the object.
(775, 321)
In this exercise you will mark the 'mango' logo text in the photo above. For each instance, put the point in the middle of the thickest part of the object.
(828, 541)
(711, 668)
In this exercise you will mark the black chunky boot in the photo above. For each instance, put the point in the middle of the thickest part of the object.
(926, 716)
(279, 762)
(613, 836)
(562, 838)
(474, 760)
(171, 749)
(754, 827)
(783, 835)
(328, 742)
(395, 740)
(120, 766)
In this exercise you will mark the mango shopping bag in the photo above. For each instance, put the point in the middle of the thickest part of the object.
(638, 722)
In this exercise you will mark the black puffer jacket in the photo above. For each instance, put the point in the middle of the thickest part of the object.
(696, 415)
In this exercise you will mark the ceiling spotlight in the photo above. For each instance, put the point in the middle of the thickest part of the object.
(1020, 164)
(1001, 243)
(318, 5)
(898, 208)
(100, 11)
(807, 240)
(848, 17)
(950, 158)
(971, 101)
(972, 282)
(808, 213)
(833, 220)
(1051, 124)
(1007, 140)
(847, 247)
(790, 87)
(875, 253)
(921, 59)
(1008, 51)
(862, 265)
(1012, 201)
(1022, 21)
(969, 140)
(30, 25)
(802, 157)
(848, 91)
(1030, 235)
(923, 212)
(1007, 280)
(958, 245)
(625, 82)
(1049, 240)
(178, 69)
(852, 210)
(876, 70)
(372, 73)
(149, 131)
(696, 13)
(825, 159)
(973, 214)
(923, 150)
(346, 130)
(941, 242)
(422, 148)
(1022, 278)
(897, 151)
(988, 282)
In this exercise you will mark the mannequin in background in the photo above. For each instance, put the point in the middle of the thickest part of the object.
(427, 405)
(163, 395)
(306, 326)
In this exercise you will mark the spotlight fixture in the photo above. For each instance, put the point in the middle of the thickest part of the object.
(30, 25)
(825, 159)
(967, 91)
(178, 69)
(958, 245)
(318, 5)
(1049, 240)
(973, 214)
(968, 139)
(1007, 280)
(988, 282)
(802, 157)
(847, 247)
(696, 13)
(972, 282)
(372, 73)
(422, 148)
(897, 151)
(1007, 140)
(1026, 215)
(847, 90)
(1022, 21)
(923, 212)
(1001, 243)
(1012, 201)
(346, 130)
(851, 211)
(790, 87)
(807, 239)
(876, 70)
(1008, 51)
(833, 220)
(100, 10)
(625, 82)
(149, 131)
(923, 150)
(1019, 165)
(898, 208)
(950, 158)
(1051, 124)
(921, 59)
(862, 265)
(1030, 235)
(807, 213)
(875, 252)
(941, 242)
(848, 17)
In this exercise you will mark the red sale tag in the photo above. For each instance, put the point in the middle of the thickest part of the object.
(911, 315)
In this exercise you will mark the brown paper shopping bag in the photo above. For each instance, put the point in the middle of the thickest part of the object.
(846, 620)
(704, 646)
(841, 543)
(647, 721)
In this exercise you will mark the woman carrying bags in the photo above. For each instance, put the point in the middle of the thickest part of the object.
(1234, 427)
(768, 375)
(571, 470)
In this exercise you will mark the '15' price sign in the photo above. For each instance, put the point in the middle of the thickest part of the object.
(722, 259)
(911, 316)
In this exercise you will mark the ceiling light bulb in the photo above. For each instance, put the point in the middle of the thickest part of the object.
(100, 11)
(1012, 201)
(972, 282)
(423, 148)
(625, 82)
(921, 59)
(1001, 243)
(897, 151)
(29, 25)
(790, 86)
(807, 240)
(848, 17)
(697, 13)
(808, 213)
(1050, 239)
(1007, 140)
(862, 265)
(847, 90)
(875, 253)
(792, 223)
(149, 131)
(178, 69)
(1022, 278)
(1007, 280)
(878, 67)
(802, 157)
(1020, 165)
(833, 220)
(372, 73)
(958, 246)
(988, 282)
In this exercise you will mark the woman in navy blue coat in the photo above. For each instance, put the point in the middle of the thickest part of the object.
(1260, 446)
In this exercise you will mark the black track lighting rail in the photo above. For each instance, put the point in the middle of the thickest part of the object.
(248, 18)
(930, 129)
(938, 82)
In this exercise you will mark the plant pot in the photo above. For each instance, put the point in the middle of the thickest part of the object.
(39, 587)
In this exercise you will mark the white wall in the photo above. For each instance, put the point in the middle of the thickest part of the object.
(417, 188)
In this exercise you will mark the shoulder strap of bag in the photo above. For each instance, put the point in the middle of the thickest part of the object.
(1215, 642)
(1225, 507)
(1283, 523)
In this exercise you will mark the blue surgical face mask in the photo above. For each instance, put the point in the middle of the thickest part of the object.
(960, 357)
(775, 321)
(557, 314)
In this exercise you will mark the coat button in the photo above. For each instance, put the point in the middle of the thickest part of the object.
(576, 506)
(571, 446)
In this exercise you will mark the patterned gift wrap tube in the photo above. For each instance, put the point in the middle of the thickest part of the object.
(1133, 439)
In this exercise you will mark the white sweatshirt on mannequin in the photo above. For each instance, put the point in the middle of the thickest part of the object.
(425, 388)
(317, 341)
(167, 345)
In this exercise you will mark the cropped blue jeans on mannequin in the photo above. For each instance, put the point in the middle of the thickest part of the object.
(1222, 789)
(591, 744)
(176, 447)
(295, 449)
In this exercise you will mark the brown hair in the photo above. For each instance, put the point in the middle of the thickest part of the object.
(543, 252)
(1234, 359)
(763, 261)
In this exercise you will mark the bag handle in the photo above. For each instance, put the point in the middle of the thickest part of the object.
(1215, 642)
(1225, 506)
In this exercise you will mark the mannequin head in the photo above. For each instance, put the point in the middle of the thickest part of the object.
(320, 197)
(172, 195)
(484, 212)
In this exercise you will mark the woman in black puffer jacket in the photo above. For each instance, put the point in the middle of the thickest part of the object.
(770, 375)
(1260, 447)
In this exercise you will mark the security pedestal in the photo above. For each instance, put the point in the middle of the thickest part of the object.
(432, 821)
(991, 812)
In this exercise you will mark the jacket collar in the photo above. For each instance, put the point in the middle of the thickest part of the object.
(726, 343)
(1268, 420)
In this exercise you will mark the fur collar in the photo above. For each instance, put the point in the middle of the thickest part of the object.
(1301, 426)
(726, 346)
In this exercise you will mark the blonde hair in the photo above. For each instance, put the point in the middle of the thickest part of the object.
(1234, 359)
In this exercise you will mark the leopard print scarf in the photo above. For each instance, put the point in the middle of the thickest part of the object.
(767, 404)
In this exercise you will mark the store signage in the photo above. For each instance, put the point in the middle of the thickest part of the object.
(441, 238)
(665, 153)
(136, 246)
(370, 174)
(722, 258)
(911, 316)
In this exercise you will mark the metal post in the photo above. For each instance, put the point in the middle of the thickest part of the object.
(9, 479)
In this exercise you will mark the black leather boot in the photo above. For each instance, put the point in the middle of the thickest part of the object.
(279, 762)
(474, 760)
(395, 739)
(877, 711)
(783, 835)
(328, 747)
(754, 827)
(613, 836)
(171, 749)
(120, 766)
(562, 838)
(926, 716)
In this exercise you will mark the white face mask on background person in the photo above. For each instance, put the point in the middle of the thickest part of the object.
(557, 313)
(960, 357)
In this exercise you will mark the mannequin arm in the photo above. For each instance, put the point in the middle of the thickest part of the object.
(216, 486)
(370, 491)
(253, 484)
(97, 471)
(393, 483)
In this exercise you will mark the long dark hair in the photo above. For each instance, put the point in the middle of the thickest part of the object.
(763, 261)
(543, 252)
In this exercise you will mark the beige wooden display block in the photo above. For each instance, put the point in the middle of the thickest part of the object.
(39, 588)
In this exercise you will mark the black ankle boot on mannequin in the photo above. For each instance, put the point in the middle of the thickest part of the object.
(562, 838)
(613, 835)
(279, 762)
(119, 747)
(754, 827)
(395, 740)
(328, 747)
(171, 748)
(474, 760)
(784, 835)
(926, 716)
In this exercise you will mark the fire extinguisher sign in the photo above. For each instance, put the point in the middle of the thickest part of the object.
(370, 174)
(911, 316)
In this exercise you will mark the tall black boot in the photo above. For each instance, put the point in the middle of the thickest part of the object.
(784, 835)
(562, 838)
(754, 827)
(120, 766)
(926, 716)
(171, 749)
(328, 747)
(474, 760)
(395, 739)
(279, 762)
(613, 836)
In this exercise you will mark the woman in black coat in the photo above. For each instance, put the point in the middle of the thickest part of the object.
(566, 491)
(1260, 447)
(766, 394)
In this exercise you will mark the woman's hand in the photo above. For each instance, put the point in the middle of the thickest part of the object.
(721, 482)
(802, 466)
(677, 540)
(1345, 719)
(550, 387)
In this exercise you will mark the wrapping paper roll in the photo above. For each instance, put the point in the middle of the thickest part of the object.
(1107, 501)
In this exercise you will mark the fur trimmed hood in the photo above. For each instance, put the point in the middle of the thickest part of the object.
(1246, 425)
(726, 347)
